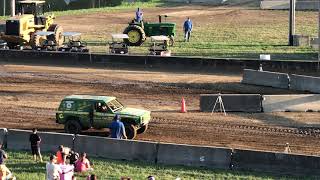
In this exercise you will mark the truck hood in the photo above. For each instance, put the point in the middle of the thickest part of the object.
(133, 112)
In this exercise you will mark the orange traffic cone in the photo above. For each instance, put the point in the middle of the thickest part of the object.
(183, 105)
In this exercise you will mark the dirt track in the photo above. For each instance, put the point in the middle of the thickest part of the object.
(29, 96)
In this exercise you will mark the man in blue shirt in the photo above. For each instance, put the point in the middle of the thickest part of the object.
(139, 15)
(187, 27)
(117, 128)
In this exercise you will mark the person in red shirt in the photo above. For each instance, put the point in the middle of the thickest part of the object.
(83, 164)
(59, 155)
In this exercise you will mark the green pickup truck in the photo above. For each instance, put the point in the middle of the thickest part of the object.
(81, 112)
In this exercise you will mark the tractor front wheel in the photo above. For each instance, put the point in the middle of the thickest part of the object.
(57, 38)
(136, 35)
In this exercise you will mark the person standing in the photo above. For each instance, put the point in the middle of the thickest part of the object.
(117, 128)
(139, 15)
(52, 169)
(187, 27)
(3, 155)
(35, 145)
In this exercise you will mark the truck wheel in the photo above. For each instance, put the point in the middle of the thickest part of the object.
(72, 127)
(131, 131)
(136, 35)
(142, 129)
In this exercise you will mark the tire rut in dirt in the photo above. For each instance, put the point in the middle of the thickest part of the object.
(313, 132)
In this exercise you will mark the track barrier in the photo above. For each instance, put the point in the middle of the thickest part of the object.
(305, 83)
(116, 149)
(170, 154)
(150, 62)
(265, 78)
(273, 162)
(19, 140)
(188, 155)
(232, 102)
(291, 103)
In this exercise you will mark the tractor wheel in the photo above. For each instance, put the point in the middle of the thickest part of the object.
(57, 38)
(34, 41)
(131, 131)
(136, 35)
(142, 129)
(72, 127)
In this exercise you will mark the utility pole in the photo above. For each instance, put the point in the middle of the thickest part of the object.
(4, 7)
(292, 21)
(13, 8)
(318, 34)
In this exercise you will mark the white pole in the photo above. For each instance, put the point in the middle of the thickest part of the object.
(4, 7)
(318, 34)
(13, 7)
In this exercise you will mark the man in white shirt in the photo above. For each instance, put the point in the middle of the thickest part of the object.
(53, 169)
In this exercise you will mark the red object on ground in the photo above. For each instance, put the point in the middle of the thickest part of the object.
(183, 105)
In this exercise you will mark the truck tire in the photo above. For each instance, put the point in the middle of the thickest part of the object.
(142, 129)
(131, 131)
(72, 127)
(136, 35)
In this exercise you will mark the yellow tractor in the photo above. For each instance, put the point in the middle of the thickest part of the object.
(21, 30)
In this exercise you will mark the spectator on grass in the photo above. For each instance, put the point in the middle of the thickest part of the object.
(187, 28)
(3, 155)
(151, 178)
(61, 151)
(35, 145)
(5, 173)
(53, 170)
(92, 177)
(67, 170)
(59, 154)
(139, 15)
(117, 128)
(83, 164)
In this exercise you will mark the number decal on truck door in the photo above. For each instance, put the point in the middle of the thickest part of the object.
(69, 104)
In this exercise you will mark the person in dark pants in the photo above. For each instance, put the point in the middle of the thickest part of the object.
(117, 128)
(187, 27)
(3, 155)
(35, 145)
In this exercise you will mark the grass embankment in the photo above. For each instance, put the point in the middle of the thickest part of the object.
(21, 164)
(242, 34)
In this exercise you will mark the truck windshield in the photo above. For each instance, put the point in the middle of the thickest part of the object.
(115, 105)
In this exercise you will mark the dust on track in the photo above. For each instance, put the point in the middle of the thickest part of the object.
(29, 96)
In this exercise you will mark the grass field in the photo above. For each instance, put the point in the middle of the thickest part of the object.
(228, 31)
(23, 167)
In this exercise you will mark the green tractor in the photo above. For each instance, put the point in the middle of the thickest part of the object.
(139, 31)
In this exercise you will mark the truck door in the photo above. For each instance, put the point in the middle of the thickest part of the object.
(102, 118)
